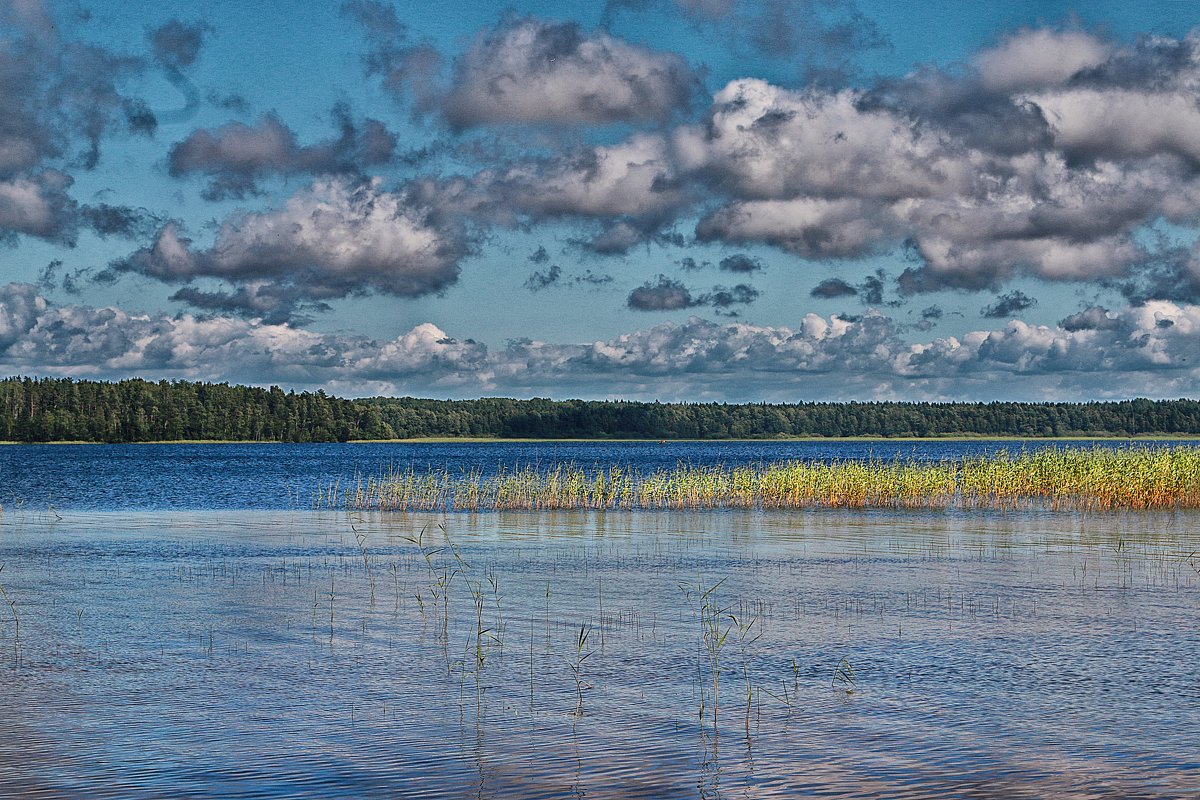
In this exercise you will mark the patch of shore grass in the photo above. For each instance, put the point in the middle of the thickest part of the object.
(1134, 477)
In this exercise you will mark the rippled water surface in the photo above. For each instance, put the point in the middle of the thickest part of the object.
(292, 654)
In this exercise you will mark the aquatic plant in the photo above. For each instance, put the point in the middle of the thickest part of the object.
(715, 625)
(575, 664)
(12, 607)
(1096, 479)
(843, 677)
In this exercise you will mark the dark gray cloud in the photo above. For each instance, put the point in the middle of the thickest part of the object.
(410, 72)
(121, 221)
(664, 294)
(1095, 318)
(231, 101)
(1172, 274)
(539, 279)
(932, 312)
(833, 287)
(536, 72)
(824, 34)
(236, 155)
(176, 44)
(1007, 305)
(140, 118)
(72, 281)
(723, 299)
(963, 107)
(740, 262)
(556, 277)
(59, 97)
(589, 278)
(667, 294)
(539, 256)
(271, 302)
(822, 37)
(870, 290)
(334, 238)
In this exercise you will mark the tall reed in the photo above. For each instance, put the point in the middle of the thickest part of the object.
(1059, 478)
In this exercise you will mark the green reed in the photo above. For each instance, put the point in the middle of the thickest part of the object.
(1136, 477)
(12, 607)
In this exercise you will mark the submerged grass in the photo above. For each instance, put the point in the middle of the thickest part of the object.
(1088, 479)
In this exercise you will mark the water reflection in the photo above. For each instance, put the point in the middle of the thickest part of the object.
(294, 654)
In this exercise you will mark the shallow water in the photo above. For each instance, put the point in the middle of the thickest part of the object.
(144, 477)
(288, 654)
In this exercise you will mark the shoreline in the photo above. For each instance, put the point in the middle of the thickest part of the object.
(1158, 437)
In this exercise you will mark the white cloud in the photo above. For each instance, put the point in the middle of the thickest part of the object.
(331, 239)
(531, 71)
(1152, 349)
(1037, 58)
(633, 178)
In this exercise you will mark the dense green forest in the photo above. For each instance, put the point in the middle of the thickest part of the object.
(60, 409)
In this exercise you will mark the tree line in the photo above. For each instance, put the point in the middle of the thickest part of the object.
(64, 409)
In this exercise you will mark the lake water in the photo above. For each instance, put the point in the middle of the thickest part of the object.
(242, 648)
(146, 477)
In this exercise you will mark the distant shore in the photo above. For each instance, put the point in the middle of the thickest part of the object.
(1166, 437)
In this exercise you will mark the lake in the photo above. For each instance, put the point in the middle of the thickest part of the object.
(188, 627)
(151, 477)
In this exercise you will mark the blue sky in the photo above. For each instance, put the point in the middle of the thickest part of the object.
(650, 199)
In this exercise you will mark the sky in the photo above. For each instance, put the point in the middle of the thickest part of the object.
(674, 200)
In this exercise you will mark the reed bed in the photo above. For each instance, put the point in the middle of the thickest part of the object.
(1095, 479)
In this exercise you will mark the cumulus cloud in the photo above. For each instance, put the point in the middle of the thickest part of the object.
(764, 142)
(630, 189)
(1047, 155)
(811, 228)
(1096, 318)
(38, 205)
(538, 72)
(236, 155)
(333, 238)
(60, 98)
(1096, 354)
(632, 179)
(1035, 58)
(108, 342)
(1050, 166)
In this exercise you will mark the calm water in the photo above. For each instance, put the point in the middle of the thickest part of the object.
(281, 476)
(291, 654)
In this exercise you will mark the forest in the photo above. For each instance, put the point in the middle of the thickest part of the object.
(64, 409)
